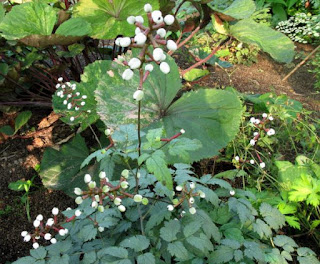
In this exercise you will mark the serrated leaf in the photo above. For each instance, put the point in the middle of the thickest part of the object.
(118, 252)
(222, 254)
(272, 216)
(208, 227)
(191, 228)
(39, 253)
(158, 213)
(262, 229)
(88, 232)
(178, 249)
(74, 27)
(89, 257)
(244, 212)
(21, 120)
(147, 258)
(181, 147)
(234, 244)
(200, 242)
(238, 255)
(170, 230)
(137, 243)
(253, 251)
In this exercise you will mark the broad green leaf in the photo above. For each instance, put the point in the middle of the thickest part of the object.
(178, 249)
(25, 260)
(39, 253)
(262, 229)
(281, 241)
(21, 120)
(33, 18)
(223, 254)
(239, 9)
(2, 12)
(89, 257)
(118, 252)
(158, 213)
(191, 228)
(253, 250)
(137, 243)
(7, 130)
(147, 258)
(181, 147)
(195, 74)
(201, 242)
(74, 27)
(170, 230)
(109, 18)
(280, 47)
(87, 232)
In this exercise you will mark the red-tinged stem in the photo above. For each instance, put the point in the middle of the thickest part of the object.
(70, 219)
(111, 143)
(179, 6)
(139, 25)
(146, 74)
(127, 194)
(173, 137)
(161, 41)
(67, 4)
(158, 26)
(259, 157)
(200, 62)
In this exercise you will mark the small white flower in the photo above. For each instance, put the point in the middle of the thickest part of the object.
(60, 79)
(157, 16)
(191, 200)
(262, 165)
(55, 211)
(62, 232)
(77, 213)
(179, 188)
(252, 120)
(182, 131)
(50, 222)
(101, 208)
(102, 175)
(257, 121)
(77, 191)
(147, 8)
(255, 134)
(164, 67)
(232, 192)
(271, 132)
(72, 118)
(264, 115)
(252, 142)
(40, 217)
(161, 32)
(27, 238)
(169, 19)
(53, 240)
(139, 19)
(138, 198)
(131, 20)
(69, 106)
(192, 210)
(171, 45)
(83, 103)
(35, 245)
(117, 201)
(94, 204)
(92, 184)
(78, 200)
(140, 39)
(47, 236)
(125, 42)
(252, 161)
(157, 54)
(121, 208)
(149, 67)
(100, 228)
(65, 102)
(124, 185)
(87, 178)
(170, 207)
(58, 86)
(237, 158)
(105, 189)
(192, 185)
(134, 63)
(24, 233)
(138, 95)
(202, 194)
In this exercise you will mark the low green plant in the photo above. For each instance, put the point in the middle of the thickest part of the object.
(21, 119)
(315, 62)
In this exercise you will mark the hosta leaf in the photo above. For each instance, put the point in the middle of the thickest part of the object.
(280, 47)
(137, 243)
(74, 27)
(178, 249)
(33, 18)
(239, 9)
(109, 18)
(170, 230)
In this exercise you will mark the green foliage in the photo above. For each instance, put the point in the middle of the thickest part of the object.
(20, 121)
(239, 9)
(316, 70)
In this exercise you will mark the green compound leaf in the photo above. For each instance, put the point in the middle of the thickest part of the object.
(118, 252)
(280, 47)
(262, 229)
(147, 258)
(88, 232)
(178, 249)
(32, 18)
(223, 254)
(272, 216)
(201, 242)
(2, 12)
(74, 27)
(137, 243)
(109, 18)
(170, 230)
(239, 9)
(25, 260)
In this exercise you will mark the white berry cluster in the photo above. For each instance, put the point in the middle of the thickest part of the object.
(73, 99)
(152, 35)
(188, 194)
(44, 229)
(301, 27)
(108, 192)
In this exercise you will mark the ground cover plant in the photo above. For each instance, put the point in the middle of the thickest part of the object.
(138, 197)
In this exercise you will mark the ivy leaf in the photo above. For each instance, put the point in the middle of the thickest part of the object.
(137, 243)
(272, 216)
(147, 258)
(170, 230)
(262, 229)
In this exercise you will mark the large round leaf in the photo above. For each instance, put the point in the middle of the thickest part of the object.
(108, 18)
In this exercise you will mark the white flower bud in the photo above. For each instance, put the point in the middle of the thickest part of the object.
(84, 97)
(147, 8)
(149, 67)
(192, 210)
(100, 228)
(58, 86)
(270, 118)
(60, 79)
(65, 102)
(251, 161)
(237, 158)
(182, 131)
(252, 120)
(63, 86)
(127, 74)
(170, 207)
(101, 208)
(157, 16)
(105, 189)
(171, 45)
(157, 54)
(62, 232)
(232, 192)
(164, 67)
(138, 198)
(124, 185)
(87, 178)
(50, 222)
(102, 175)
(24, 233)
(257, 121)
(53, 240)
(72, 118)
(55, 211)
(40, 217)
(77, 191)
(169, 19)
(191, 200)
(27, 238)
(134, 63)
(264, 115)
(78, 200)
(179, 188)
(69, 106)
(125, 42)
(139, 19)
(202, 194)
(35, 245)
(140, 39)
(121, 208)
(271, 132)
(252, 142)
(77, 213)
(47, 236)
(92, 184)
(255, 134)
(138, 95)
(94, 204)
(262, 165)
(117, 201)
(161, 32)
(97, 197)
(118, 41)
(192, 185)
(125, 173)
(73, 86)
(131, 20)
(37, 237)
